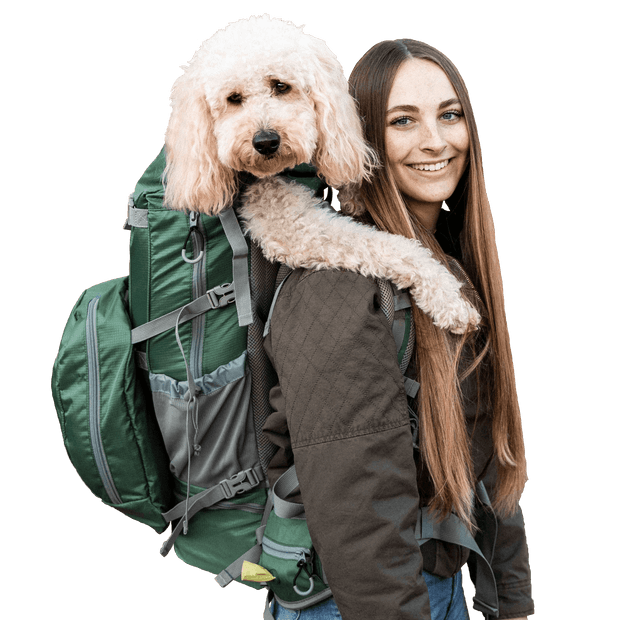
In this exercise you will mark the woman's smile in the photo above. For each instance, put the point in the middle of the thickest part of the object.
(430, 167)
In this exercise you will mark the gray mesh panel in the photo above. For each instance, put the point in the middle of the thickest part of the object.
(387, 299)
(263, 276)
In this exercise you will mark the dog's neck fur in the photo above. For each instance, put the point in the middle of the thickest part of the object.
(286, 220)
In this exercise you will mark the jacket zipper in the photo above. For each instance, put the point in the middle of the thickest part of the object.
(94, 399)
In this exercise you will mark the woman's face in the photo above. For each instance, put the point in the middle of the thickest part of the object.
(426, 138)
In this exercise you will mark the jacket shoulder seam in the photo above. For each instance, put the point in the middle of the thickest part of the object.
(350, 435)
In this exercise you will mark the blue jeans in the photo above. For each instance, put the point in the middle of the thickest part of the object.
(446, 595)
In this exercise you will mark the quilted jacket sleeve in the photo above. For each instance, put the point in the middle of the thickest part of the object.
(342, 396)
(510, 561)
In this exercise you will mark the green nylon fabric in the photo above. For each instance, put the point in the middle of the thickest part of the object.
(131, 441)
(291, 533)
(161, 281)
(217, 537)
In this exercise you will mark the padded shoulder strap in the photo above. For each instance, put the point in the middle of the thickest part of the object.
(273, 305)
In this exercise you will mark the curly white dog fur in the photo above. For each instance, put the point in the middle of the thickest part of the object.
(259, 97)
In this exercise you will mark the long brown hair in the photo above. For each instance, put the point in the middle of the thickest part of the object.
(443, 436)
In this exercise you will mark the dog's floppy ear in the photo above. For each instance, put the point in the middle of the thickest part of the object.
(194, 176)
(342, 155)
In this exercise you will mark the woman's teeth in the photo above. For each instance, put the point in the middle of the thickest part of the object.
(439, 166)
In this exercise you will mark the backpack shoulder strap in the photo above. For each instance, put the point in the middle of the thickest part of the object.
(392, 301)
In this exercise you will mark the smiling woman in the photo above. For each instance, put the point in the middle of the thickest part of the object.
(374, 462)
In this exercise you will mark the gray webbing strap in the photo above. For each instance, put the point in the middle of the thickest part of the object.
(284, 486)
(267, 615)
(136, 218)
(398, 331)
(402, 300)
(233, 571)
(313, 599)
(482, 494)
(217, 297)
(411, 387)
(141, 360)
(241, 274)
(273, 305)
(485, 599)
(226, 489)
(452, 530)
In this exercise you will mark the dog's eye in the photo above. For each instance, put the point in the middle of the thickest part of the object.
(281, 88)
(235, 98)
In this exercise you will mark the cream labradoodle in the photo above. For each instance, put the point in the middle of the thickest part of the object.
(261, 96)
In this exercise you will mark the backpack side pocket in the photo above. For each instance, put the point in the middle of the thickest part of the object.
(288, 553)
(108, 425)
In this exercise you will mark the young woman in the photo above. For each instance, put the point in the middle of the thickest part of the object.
(341, 412)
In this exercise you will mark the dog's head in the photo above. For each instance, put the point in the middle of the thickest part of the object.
(259, 96)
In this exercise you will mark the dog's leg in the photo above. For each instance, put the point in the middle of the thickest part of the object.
(284, 219)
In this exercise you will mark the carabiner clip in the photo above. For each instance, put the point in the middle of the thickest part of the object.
(193, 229)
(303, 566)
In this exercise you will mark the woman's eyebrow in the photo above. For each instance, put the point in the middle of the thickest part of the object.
(448, 102)
(413, 108)
(404, 108)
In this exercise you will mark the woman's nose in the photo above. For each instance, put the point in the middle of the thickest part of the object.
(431, 138)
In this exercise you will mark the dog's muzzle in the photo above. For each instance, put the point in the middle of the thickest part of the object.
(266, 142)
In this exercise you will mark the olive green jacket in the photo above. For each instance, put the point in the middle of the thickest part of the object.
(340, 413)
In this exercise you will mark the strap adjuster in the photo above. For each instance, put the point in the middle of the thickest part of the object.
(239, 483)
(222, 295)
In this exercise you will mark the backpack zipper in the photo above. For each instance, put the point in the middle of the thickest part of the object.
(285, 552)
(199, 288)
(94, 400)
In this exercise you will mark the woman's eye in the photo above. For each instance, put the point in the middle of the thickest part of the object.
(401, 121)
(453, 115)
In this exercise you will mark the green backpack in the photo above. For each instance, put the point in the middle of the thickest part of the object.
(161, 385)
(146, 405)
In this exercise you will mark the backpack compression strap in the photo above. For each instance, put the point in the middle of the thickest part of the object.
(226, 489)
(218, 297)
(230, 573)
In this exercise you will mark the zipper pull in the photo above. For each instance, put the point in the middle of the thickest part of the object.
(199, 241)
(303, 565)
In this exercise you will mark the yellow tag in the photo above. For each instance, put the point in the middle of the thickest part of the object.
(254, 572)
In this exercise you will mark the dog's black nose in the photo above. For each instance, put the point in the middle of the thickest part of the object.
(266, 142)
